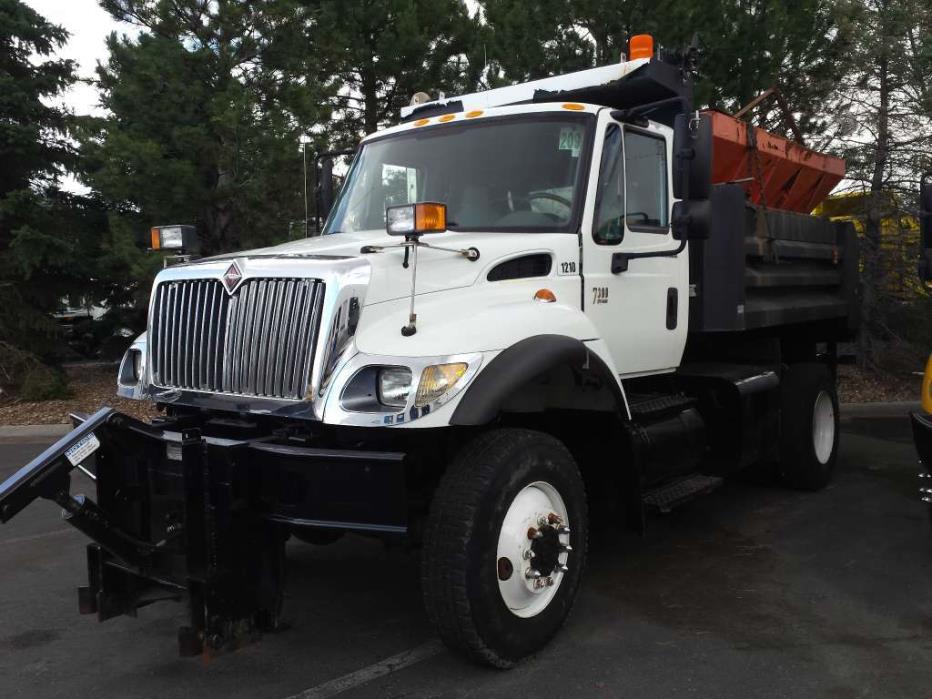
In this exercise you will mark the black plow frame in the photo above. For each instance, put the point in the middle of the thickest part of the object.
(181, 514)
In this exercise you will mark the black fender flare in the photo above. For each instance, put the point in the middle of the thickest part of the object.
(520, 363)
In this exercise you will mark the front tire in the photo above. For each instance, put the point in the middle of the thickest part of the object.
(505, 546)
(809, 426)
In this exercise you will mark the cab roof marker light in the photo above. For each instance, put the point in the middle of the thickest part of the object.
(422, 122)
(447, 117)
(574, 106)
(474, 113)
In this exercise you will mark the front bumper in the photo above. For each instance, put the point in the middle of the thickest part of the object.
(185, 513)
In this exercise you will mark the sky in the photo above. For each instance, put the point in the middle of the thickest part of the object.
(89, 27)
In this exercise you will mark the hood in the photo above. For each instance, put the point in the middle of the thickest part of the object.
(437, 270)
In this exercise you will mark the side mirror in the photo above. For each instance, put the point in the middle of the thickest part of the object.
(690, 219)
(324, 191)
(925, 228)
(692, 156)
(325, 186)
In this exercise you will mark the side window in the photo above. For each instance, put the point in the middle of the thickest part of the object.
(609, 223)
(646, 186)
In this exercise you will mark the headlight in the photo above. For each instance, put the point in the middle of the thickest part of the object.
(437, 380)
(180, 238)
(394, 385)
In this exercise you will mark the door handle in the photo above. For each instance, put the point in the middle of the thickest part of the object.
(620, 262)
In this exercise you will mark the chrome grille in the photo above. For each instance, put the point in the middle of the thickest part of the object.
(258, 342)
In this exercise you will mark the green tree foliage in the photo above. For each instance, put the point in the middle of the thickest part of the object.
(208, 107)
(377, 53)
(528, 40)
(747, 45)
(883, 128)
(48, 239)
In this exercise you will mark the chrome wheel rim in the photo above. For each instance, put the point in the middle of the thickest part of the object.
(533, 553)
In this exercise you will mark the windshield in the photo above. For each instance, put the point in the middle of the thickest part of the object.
(496, 174)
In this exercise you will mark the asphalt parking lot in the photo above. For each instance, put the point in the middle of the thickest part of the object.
(750, 591)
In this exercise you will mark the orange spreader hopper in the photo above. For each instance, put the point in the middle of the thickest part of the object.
(794, 178)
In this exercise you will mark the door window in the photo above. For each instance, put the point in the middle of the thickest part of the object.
(646, 182)
(609, 228)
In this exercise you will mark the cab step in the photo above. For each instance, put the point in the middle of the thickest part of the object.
(647, 407)
(665, 497)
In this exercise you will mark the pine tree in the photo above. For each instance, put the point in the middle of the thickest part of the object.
(208, 108)
(747, 45)
(48, 239)
(883, 127)
(376, 54)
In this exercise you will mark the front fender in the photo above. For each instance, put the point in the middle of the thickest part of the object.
(520, 363)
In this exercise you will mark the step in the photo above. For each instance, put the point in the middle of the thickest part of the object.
(665, 497)
(653, 405)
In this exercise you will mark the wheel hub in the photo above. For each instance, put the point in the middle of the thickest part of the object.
(533, 549)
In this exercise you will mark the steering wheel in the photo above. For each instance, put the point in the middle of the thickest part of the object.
(552, 197)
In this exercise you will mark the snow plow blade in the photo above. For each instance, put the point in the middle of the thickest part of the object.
(183, 512)
(170, 523)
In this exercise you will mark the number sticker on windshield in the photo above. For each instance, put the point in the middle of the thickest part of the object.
(571, 140)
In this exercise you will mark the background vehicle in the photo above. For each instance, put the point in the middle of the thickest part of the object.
(621, 302)
(922, 421)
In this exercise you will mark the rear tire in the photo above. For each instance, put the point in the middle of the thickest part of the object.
(809, 426)
(487, 596)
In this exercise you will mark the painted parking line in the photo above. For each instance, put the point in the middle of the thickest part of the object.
(372, 672)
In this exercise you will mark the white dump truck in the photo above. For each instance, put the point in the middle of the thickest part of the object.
(530, 311)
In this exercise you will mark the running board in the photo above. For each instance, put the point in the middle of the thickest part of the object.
(665, 497)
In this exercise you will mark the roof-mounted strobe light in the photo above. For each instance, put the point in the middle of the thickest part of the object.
(640, 46)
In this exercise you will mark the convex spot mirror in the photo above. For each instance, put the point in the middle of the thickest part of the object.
(692, 156)
(690, 219)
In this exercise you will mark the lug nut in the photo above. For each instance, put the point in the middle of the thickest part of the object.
(533, 533)
(563, 529)
(554, 518)
(562, 568)
(567, 548)
(528, 554)
(532, 574)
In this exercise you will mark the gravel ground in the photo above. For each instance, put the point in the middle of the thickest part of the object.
(95, 386)
(92, 387)
(856, 386)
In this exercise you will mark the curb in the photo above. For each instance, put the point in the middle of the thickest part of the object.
(893, 409)
(33, 431)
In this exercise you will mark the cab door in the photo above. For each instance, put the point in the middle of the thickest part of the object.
(640, 311)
